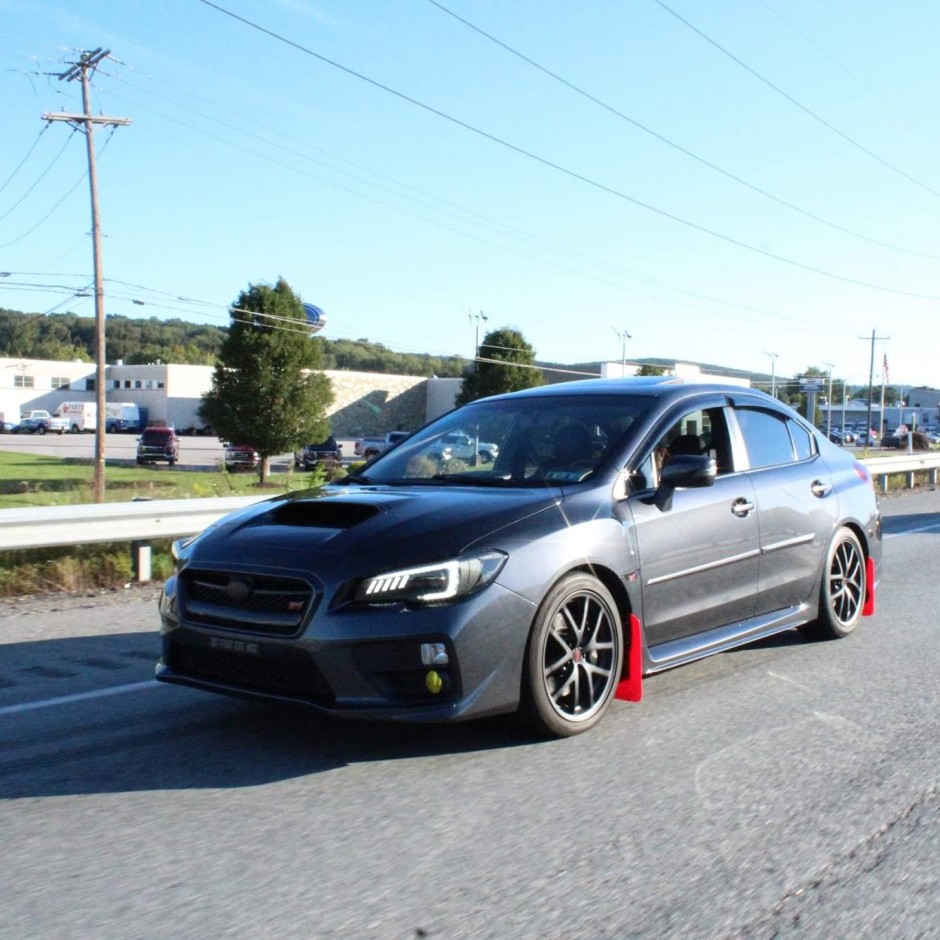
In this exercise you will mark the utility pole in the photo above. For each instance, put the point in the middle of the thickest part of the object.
(624, 336)
(871, 379)
(86, 122)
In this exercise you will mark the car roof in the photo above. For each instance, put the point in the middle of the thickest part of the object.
(665, 388)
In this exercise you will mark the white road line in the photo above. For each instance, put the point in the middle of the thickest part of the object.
(80, 697)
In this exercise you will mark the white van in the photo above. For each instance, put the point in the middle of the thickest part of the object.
(81, 415)
(121, 416)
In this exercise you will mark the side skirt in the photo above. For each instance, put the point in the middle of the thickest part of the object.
(688, 649)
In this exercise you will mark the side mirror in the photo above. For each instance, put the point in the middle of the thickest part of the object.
(684, 471)
(689, 470)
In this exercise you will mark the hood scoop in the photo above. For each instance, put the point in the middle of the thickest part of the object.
(321, 514)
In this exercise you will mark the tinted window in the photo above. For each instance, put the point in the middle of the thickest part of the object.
(766, 437)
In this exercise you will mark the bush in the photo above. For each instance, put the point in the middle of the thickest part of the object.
(76, 569)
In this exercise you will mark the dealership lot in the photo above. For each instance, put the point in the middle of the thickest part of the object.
(196, 452)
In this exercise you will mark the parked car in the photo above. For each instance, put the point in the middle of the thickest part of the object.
(39, 421)
(458, 445)
(241, 457)
(690, 519)
(315, 454)
(369, 447)
(157, 444)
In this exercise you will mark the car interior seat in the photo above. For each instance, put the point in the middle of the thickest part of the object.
(686, 444)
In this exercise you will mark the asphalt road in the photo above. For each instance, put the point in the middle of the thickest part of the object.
(788, 789)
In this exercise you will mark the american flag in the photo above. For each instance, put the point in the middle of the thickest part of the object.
(884, 367)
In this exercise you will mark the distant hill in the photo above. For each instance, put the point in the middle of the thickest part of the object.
(135, 341)
(65, 336)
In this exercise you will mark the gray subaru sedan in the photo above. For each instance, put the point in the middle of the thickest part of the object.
(625, 527)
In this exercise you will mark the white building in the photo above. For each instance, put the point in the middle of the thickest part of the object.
(171, 394)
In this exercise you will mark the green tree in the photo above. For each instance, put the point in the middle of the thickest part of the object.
(506, 364)
(651, 370)
(267, 390)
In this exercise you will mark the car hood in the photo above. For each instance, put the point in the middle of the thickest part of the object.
(331, 527)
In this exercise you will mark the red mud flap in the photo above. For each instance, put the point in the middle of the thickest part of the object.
(630, 687)
(869, 608)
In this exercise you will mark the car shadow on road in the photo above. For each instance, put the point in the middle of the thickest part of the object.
(150, 736)
(924, 522)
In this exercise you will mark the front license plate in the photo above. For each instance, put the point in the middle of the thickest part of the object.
(243, 647)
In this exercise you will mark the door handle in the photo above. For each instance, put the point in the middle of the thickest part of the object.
(820, 489)
(742, 507)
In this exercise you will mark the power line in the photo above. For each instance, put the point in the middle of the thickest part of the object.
(603, 187)
(831, 58)
(39, 178)
(19, 165)
(678, 147)
(798, 104)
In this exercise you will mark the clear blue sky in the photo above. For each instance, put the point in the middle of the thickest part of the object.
(249, 158)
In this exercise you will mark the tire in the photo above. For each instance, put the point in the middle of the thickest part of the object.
(172, 462)
(574, 657)
(75, 429)
(41, 429)
(486, 456)
(843, 589)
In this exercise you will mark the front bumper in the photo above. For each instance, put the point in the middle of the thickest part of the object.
(363, 662)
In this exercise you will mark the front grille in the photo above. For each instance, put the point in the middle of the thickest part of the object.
(295, 676)
(252, 603)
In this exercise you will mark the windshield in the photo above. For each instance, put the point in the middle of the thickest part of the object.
(523, 441)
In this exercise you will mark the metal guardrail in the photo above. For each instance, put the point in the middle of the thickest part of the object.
(908, 464)
(144, 521)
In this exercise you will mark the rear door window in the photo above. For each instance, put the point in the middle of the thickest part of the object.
(766, 437)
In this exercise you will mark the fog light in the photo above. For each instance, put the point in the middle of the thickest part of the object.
(433, 682)
(434, 654)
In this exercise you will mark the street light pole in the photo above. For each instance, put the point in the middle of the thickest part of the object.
(476, 336)
(773, 373)
(624, 336)
(829, 402)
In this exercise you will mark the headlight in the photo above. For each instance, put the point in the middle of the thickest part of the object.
(431, 584)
